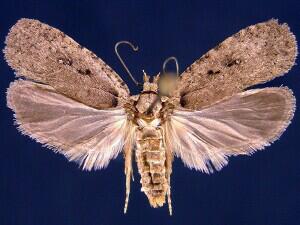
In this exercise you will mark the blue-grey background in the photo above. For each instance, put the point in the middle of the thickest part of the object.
(38, 187)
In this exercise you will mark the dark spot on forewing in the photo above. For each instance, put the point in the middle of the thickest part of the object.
(232, 62)
(218, 47)
(182, 101)
(84, 71)
(115, 101)
(206, 56)
(87, 72)
(65, 61)
(212, 72)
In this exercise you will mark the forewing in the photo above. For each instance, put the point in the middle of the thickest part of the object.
(89, 136)
(254, 55)
(44, 54)
(241, 124)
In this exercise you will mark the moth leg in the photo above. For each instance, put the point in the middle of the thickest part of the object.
(128, 173)
(169, 160)
(169, 195)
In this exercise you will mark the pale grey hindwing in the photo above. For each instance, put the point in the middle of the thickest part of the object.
(83, 134)
(238, 125)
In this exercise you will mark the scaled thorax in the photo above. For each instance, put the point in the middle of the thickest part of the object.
(149, 103)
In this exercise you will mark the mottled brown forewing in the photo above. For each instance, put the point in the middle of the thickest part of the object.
(44, 54)
(254, 55)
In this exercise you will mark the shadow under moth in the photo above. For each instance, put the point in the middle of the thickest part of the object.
(72, 102)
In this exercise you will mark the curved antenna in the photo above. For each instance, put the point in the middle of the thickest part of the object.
(121, 60)
(168, 60)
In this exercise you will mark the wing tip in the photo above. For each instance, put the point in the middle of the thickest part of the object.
(290, 40)
(9, 94)
(290, 100)
(8, 55)
(12, 89)
(291, 108)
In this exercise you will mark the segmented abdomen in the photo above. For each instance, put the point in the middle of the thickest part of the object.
(151, 161)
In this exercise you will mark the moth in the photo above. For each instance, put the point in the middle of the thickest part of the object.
(68, 99)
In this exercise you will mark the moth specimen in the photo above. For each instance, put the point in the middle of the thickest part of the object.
(72, 102)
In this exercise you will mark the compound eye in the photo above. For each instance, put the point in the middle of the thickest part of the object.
(167, 84)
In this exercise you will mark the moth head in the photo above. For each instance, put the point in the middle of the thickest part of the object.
(163, 85)
(150, 86)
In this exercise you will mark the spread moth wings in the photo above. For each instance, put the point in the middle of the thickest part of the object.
(69, 99)
(218, 119)
(67, 88)
(72, 102)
